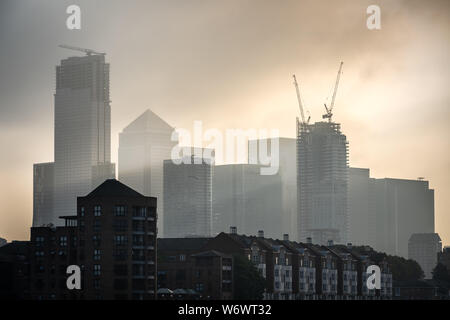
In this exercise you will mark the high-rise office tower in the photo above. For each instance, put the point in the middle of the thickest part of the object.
(425, 249)
(361, 207)
(143, 146)
(403, 207)
(287, 173)
(384, 213)
(322, 173)
(43, 184)
(247, 200)
(82, 135)
(188, 197)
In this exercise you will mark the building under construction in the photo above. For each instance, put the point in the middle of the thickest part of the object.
(322, 182)
(322, 176)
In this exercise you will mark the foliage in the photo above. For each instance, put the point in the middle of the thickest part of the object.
(248, 283)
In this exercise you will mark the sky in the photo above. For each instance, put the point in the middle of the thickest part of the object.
(230, 65)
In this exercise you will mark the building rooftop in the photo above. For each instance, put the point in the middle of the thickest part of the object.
(113, 188)
(175, 244)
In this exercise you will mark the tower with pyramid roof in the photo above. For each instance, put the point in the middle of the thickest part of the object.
(143, 146)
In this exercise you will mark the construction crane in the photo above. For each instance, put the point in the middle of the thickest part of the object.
(300, 105)
(329, 109)
(87, 51)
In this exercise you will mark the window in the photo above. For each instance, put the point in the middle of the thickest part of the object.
(39, 253)
(97, 270)
(97, 211)
(96, 239)
(199, 287)
(120, 254)
(63, 241)
(182, 257)
(120, 211)
(139, 212)
(120, 225)
(39, 241)
(138, 240)
(120, 240)
(96, 284)
(97, 254)
(82, 210)
(97, 225)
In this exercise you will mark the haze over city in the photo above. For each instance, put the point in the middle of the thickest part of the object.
(229, 64)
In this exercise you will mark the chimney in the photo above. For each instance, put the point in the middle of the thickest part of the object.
(349, 246)
(261, 234)
(233, 230)
(330, 243)
(309, 240)
(286, 237)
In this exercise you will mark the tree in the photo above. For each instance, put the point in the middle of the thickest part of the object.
(440, 273)
(248, 283)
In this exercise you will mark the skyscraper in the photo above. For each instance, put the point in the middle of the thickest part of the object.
(403, 207)
(43, 184)
(322, 173)
(384, 213)
(425, 249)
(245, 199)
(287, 170)
(143, 146)
(82, 135)
(187, 198)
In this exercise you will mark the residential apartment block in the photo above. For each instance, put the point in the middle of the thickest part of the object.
(112, 239)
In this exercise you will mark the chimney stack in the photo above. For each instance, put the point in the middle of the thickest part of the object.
(261, 234)
(233, 230)
(286, 237)
(309, 240)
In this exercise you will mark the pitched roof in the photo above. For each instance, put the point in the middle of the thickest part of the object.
(210, 253)
(173, 244)
(148, 121)
(114, 188)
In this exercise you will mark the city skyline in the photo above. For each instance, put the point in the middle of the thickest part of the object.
(365, 127)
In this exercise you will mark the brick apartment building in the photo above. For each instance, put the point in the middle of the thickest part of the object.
(112, 239)
(15, 271)
(202, 274)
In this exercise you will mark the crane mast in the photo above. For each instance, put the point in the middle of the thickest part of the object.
(329, 110)
(299, 99)
(87, 51)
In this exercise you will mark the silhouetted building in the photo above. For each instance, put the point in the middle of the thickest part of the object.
(244, 198)
(43, 189)
(15, 271)
(3, 242)
(188, 197)
(361, 207)
(403, 207)
(52, 250)
(82, 138)
(424, 248)
(287, 173)
(384, 213)
(112, 238)
(444, 257)
(143, 146)
(182, 264)
(322, 182)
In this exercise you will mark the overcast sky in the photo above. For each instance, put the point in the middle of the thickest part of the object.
(229, 63)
